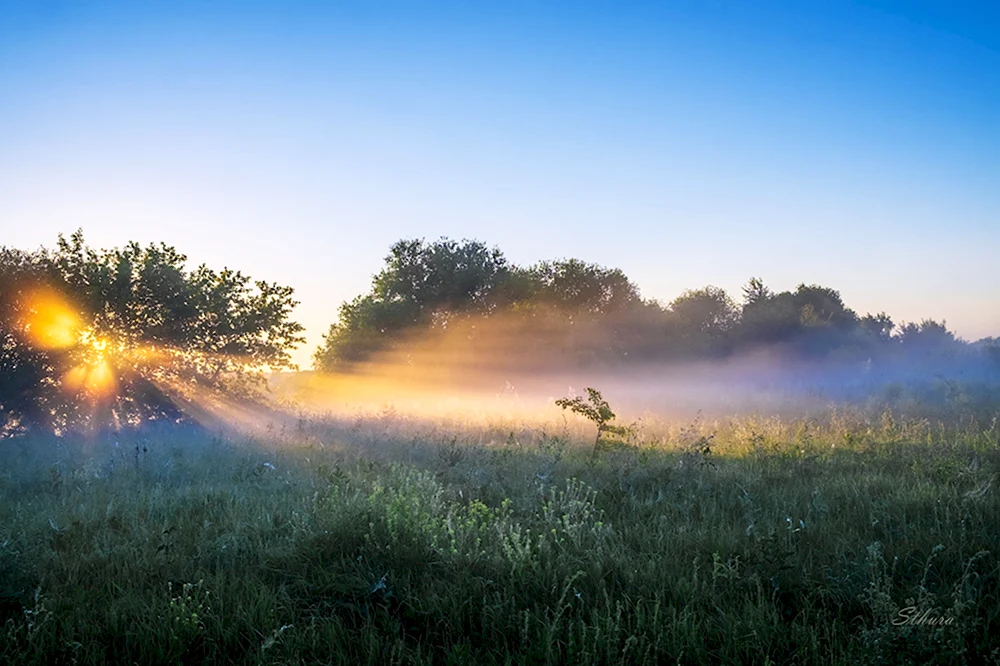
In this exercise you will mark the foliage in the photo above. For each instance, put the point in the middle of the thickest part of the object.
(422, 284)
(576, 287)
(755, 291)
(27, 383)
(444, 275)
(597, 410)
(593, 314)
(702, 320)
(426, 286)
(879, 327)
(807, 541)
(136, 318)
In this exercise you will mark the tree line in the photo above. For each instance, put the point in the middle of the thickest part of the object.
(119, 336)
(602, 318)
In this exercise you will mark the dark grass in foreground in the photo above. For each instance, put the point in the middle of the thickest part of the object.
(389, 542)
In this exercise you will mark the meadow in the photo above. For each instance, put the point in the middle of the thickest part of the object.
(847, 535)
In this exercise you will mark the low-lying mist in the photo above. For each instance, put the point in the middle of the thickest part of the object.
(513, 366)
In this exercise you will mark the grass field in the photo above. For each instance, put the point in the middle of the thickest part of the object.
(848, 537)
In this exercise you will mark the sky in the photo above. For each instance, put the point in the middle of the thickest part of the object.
(853, 145)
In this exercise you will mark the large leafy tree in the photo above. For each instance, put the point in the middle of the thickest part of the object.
(120, 334)
(576, 286)
(826, 323)
(427, 286)
(823, 307)
(575, 312)
(989, 349)
(768, 318)
(445, 275)
(927, 338)
(422, 285)
(700, 321)
(813, 319)
(877, 327)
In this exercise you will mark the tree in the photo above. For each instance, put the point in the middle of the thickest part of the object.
(365, 325)
(575, 286)
(702, 320)
(755, 292)
(569, 312)
(427, 286)
(598, 410)
(767, 318)
(28, 391)
(812, 320)
(708, 310)
(117, 334)
(879, 327)
(990, 350)
(591, 314)
(444, 275)
(422, 285)
(823, 307)
(928, 336)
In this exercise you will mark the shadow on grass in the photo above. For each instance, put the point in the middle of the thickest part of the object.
(845, 539)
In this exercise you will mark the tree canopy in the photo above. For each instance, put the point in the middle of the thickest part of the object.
(589, 312)
(97, 336)
(425, 286)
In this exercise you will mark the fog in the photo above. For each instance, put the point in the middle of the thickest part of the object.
(516, 367)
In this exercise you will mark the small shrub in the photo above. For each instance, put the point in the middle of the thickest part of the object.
(598, 410)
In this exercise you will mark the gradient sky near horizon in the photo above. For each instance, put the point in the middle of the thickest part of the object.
(854, 145)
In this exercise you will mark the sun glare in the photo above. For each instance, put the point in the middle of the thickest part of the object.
(93, 363)
(97, 379)
(50, 322)
(95, 373)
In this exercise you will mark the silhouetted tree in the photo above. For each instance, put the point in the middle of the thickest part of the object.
(701, 320)
(927, 338)
(135, 318)
(426, 285)
(444, 275)
(768, 318)
(422, 285)
(28, 390)
(822, 307)
(755, 292)
(879, 327)
(578, 287)
(586, 313)
(990, 349)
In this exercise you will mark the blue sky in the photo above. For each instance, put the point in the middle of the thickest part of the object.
(854, 145)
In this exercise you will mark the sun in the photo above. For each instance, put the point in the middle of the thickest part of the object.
(51, 323)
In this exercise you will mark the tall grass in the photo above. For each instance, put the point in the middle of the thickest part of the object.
(386, 540)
